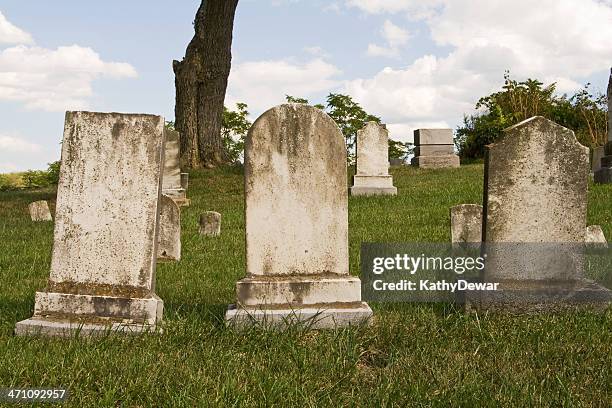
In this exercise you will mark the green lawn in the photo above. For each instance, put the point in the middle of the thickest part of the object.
(414, 355)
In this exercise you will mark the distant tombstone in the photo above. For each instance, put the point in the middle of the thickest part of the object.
(169, 245)
(536, 178)
(466, 223)
(39, 211)
(604, 174)
(595, 236)
(173, 178)
(297, 224)
(106, 229)
(373, 176)
(210, 224)
(434, 149)
(598, 154)
(396, 162)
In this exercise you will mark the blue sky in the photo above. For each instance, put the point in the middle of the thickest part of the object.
(415, 63)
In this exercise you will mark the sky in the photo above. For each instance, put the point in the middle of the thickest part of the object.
(414, 63)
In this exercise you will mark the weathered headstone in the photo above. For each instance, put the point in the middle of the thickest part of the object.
(169, 247)
(173, 178)
(106, 228)
(597, 155)
(39, 211)
(210, 224)
(535, 204)
(396, 162)
(297, 224)
(373, 176)
(595, 236)
(604, 174)
(434, 149)
(466, 223)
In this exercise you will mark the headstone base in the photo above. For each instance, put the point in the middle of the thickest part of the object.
(373, 185)
(323, 317)
(46, 326)
(96, 310)
(603, 175)
(179, 195)
(326, 302)
(436, 162)
(538, 296)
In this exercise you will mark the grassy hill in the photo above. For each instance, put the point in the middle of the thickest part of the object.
(414, 355)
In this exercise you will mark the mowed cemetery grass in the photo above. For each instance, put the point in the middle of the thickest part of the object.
(413, 355)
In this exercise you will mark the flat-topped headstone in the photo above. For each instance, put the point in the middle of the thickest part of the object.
(536, 178)
(297, 224)
(210, 224)
(434, 149)
(39, 211)
(106, 228)
(433, 137)
(169, 246)
(466, 223)
(372, 176)
(604, 174)
(172, 180)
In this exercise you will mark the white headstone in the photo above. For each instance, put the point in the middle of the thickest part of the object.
(210, 224)
(39, 211)
(173, 178)
(297, 223)
(434, 149)
(106, 227)
(372, 177)
(169, 247)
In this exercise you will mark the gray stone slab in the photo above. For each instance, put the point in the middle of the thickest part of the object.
(330, 317)
(466, 223)
(297, 218)
(433, 136)
(436, 162)
(39, 211)
(210, 224)
(106, 229)
(596, 156)
(169, 246)
(49, 327)
(604, 174)
(434, 150)
(536, 178)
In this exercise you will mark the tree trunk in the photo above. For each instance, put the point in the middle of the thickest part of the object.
(201, 82)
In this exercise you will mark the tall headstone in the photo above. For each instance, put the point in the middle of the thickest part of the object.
(434, 149)
(598, 154)
(466, 223)
(173, 178)
(535, 206)
(169, 247)
(106, 228)
(39, 211)
(604, 174)
(372, 177)
(297, 224)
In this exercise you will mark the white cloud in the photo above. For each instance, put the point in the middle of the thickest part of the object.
(11, 34)
(395, 37)
(559, 41)
(51, 80)
(263, 84)
(11, 144)
(414, 9)
(317, 51)
(54, 80)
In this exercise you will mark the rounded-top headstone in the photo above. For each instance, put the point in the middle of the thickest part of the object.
(296, 195)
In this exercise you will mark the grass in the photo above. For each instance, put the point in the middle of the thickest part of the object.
(415, 355)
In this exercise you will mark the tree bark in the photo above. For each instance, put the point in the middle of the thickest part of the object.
(201, 83)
